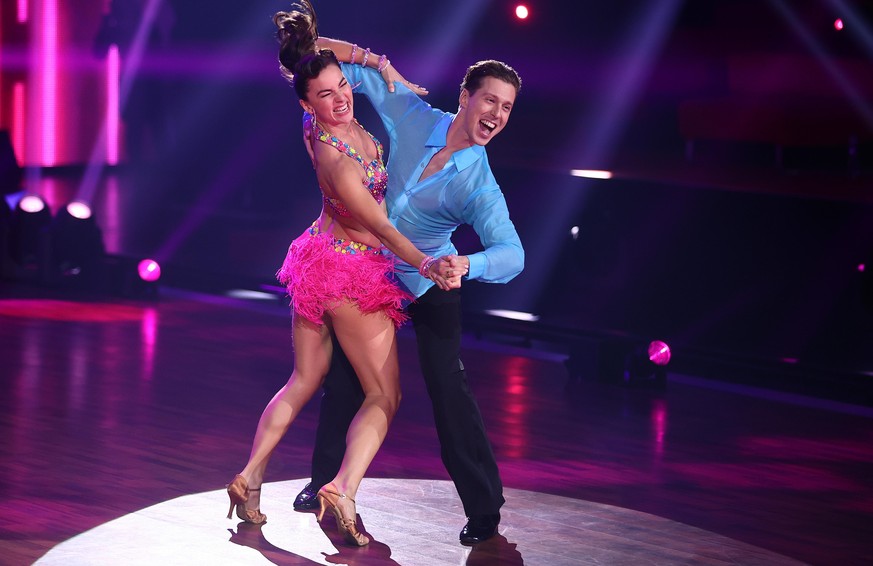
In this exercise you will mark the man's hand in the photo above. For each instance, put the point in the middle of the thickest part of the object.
(390, 75)
(441, 273)
(448, 270)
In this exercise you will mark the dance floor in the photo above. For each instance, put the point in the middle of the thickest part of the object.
(123, 420)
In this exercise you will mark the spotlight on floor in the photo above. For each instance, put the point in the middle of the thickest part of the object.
(77, 244)
(647, 365)
(29, 239)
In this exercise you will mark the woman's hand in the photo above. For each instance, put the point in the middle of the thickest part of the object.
(390, 75)
(447, 272)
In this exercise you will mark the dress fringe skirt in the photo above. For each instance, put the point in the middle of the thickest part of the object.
(321, 272)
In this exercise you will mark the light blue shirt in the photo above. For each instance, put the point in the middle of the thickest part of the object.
(464, 192)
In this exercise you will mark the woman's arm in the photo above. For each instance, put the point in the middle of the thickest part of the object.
(343, 176)
(349, 53)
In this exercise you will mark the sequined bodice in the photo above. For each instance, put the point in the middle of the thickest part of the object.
(377, 177)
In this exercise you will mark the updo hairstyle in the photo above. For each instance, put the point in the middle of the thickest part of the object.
(299, 60)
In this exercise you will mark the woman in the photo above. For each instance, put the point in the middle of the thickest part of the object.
(338, 280)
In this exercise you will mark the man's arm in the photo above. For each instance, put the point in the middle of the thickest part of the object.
(503, 256)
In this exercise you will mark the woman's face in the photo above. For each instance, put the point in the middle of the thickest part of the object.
(330, 98)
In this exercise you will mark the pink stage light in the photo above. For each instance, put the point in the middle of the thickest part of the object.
(18, 119)
(113, 66)
(521, 12)
(79, 210)
(861, 267)
(149, 270)
(48, 46)
(659, 353)
(31, 203)
(838, 24)
(22, 11)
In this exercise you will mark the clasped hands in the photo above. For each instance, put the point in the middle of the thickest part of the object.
(448, 270)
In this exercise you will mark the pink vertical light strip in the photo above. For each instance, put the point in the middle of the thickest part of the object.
(113, 66)
(149, 336)
(18, 117)
(22, 11)
(47, 38)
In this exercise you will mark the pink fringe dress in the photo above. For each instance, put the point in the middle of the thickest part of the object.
(321, 272)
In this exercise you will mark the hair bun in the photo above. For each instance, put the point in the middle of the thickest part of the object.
(297, 34)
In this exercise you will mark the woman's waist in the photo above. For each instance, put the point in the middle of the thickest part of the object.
(344, 242)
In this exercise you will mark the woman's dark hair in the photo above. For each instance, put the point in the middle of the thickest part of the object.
(299, 60)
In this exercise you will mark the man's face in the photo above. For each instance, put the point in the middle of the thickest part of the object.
(486, 111)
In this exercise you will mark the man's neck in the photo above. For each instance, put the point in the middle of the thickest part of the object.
(456, 137)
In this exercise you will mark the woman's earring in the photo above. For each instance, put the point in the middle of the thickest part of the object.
(312, 124)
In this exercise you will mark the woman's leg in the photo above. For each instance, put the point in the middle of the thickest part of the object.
(370, 343)
(312, 351)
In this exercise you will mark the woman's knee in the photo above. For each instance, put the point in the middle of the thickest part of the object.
(389, 400)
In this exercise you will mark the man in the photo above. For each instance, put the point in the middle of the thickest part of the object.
(438, 179)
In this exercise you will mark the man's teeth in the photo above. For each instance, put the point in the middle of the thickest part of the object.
(488, 124)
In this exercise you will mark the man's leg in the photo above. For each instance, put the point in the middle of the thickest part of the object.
(341, 400)
(465, 449)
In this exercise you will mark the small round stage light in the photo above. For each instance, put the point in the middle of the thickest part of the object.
(838, 24)
(659, 353)
(149, 270)
(78, 209)
(31, 203)
(521, 12)
(861, 267)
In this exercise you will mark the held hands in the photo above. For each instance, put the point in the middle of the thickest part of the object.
(447, 271)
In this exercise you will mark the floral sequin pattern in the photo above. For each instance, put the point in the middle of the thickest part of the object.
(343, 246)
(377, 176)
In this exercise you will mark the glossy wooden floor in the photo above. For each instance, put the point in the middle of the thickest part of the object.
(110, 407)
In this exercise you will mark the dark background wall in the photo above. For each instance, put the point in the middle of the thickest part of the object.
(737, 218)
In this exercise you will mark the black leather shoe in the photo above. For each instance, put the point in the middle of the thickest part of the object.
(306, 500)
(479, 528)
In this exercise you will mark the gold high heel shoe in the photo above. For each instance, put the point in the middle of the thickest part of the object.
(347, 527)
(238, 491)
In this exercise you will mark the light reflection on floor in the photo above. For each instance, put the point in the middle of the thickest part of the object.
(413, 522)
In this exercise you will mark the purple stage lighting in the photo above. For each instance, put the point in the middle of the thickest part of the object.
(31, 203)
(838, 24)
(521, 12)
(28, 232)
(78, 209)
(659, 353)
(149, 270)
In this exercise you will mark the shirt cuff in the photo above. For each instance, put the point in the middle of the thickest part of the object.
(477, 265)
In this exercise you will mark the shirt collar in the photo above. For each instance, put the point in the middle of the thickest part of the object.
(463, 158)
